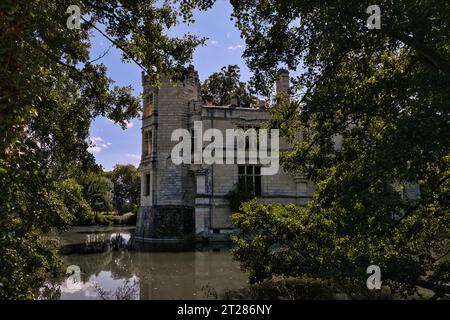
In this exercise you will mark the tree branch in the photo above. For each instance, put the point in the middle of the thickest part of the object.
(116, 44)
(433, 57)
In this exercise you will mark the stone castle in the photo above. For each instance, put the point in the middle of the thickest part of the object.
(191, 199)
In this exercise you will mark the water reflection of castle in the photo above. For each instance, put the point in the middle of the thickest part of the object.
(163, 272)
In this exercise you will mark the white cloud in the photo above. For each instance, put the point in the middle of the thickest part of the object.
(238, 46)
(71, 287)
(133, 156)
(98, 144)
(129, 124)
(228, 35)
(214, 42)
(94, 149)
(96, 139)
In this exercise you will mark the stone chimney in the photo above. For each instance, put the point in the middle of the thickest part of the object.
(193, 79)
(282, 83)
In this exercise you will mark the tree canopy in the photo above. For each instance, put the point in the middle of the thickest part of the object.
(127, 186)
(386, 92)
(98, 191)
(50, 91)
(221, 87)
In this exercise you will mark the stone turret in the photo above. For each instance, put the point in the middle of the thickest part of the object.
(166, 208)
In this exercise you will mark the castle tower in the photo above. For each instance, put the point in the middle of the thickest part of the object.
(167, 205)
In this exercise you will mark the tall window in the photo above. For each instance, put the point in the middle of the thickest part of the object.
(147, 185)
(148, 105)
(249, 178)
(192, 142)
(148, 143)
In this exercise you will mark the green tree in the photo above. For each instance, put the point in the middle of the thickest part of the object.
(127, 186)
(98, 192)
(220, 87)
(50, 91)
(386, 92)
(71, 193)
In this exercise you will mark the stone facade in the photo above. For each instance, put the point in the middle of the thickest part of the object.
(178, 200)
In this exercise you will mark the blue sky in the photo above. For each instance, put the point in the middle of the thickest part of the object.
(224, 46)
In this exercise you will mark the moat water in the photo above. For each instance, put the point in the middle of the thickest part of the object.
(113, 266)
